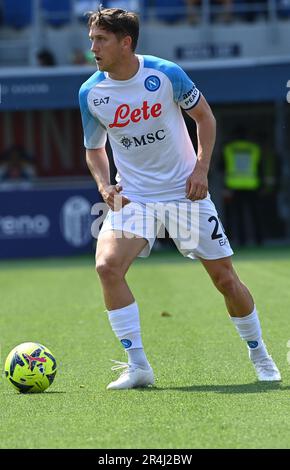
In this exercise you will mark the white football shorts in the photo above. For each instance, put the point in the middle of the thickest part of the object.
(194, 226)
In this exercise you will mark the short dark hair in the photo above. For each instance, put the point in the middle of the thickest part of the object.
(117, 21)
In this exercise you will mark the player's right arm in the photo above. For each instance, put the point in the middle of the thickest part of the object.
(95, 137)
(98, 163)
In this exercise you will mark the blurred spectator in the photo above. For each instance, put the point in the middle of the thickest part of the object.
(16, 167)
(225, 10)
(193, 11)
(250, 11)
(45, 58)
(220, 10)
(241, 163)
(80, 57)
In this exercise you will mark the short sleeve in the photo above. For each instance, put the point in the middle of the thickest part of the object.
(95, 134)
(185, 92)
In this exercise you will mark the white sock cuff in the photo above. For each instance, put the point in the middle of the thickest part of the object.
(129, 308)
(248, 319)
(248, 327)
(125, 323)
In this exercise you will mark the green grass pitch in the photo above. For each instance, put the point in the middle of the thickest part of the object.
(206, 394)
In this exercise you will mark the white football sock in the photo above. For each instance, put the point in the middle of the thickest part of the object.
(249, 329)
(125, 323)
(137, 356)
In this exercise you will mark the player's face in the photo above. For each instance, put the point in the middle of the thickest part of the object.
(107, 48)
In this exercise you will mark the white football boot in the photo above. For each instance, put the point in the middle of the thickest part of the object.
(267, 370)
(131, 377)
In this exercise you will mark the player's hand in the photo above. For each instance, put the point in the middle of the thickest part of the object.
(197, 185)
(112, 197)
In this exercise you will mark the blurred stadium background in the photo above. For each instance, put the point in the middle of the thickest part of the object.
(237, 53)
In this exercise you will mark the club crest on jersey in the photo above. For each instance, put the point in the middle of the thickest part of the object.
(152, 83)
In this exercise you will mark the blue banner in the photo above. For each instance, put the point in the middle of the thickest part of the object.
(46, 222)
(228, 82)
(39, 89)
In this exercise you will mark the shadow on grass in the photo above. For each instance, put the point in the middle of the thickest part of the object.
(38, 394)
(256, 387)
(263, 253)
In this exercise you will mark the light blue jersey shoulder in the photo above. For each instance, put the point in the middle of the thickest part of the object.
(181, 83)
(96, 78)
(94, 134)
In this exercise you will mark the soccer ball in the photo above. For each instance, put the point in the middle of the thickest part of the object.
(30, 367)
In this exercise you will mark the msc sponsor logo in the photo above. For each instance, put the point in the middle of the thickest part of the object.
(152, 83)
(24, 226)
(126, 142)
(124, 114)
(144, 139)
(99, 101)
(75, 221)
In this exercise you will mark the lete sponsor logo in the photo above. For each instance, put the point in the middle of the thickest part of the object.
(124, 114)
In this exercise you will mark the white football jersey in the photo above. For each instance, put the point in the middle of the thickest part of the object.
(151, 146)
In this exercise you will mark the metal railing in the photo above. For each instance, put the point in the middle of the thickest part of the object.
(204, 14)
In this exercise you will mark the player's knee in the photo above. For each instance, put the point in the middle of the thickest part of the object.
(108, 269)
(226, 283)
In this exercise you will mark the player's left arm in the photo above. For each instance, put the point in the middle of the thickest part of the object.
(197, 182)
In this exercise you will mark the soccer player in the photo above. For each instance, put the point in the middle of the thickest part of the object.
(136, 100)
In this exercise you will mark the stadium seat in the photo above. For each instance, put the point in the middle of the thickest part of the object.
(1, 13)
(250, 11)
(17, 14)
(283, 8)
(129, 5)
(81, 7)
(56, 12)
(170, 11)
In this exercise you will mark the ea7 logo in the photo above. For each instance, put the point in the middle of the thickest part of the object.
(99, 101)
(288, 94)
